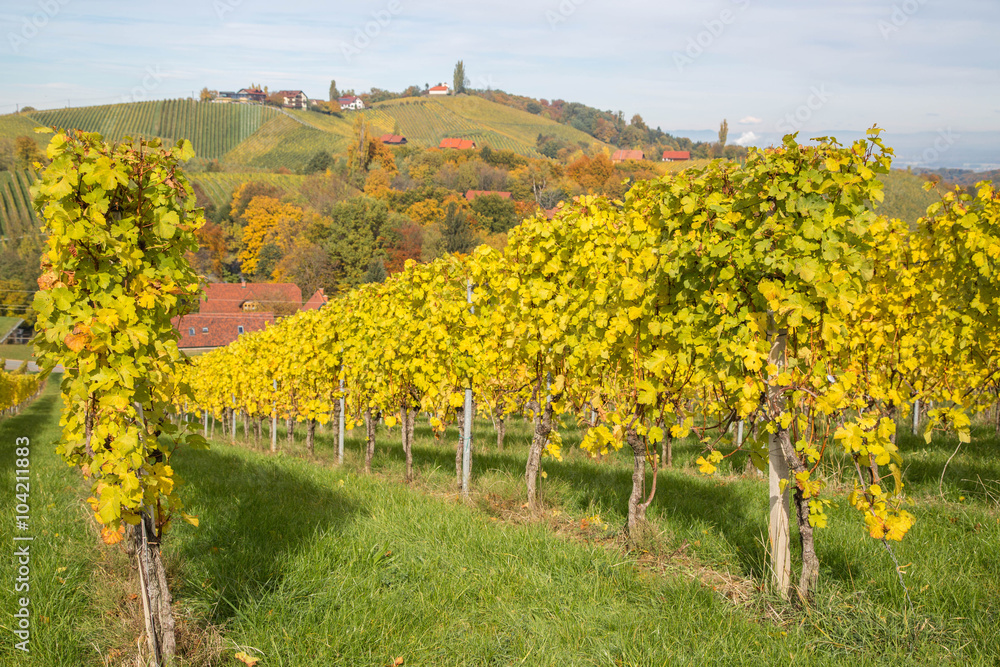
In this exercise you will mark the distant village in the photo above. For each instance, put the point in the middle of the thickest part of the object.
(296, 99)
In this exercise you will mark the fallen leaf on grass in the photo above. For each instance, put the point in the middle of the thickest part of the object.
(246, 659)
(397, 662)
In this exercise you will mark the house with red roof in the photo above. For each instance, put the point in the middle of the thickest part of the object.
(438, 90)
(350, 102)
(472, 194)
(460, 144)
(251, 95)
(622, 155)
(293, 99)
(228, 310)
(676, 156)
(393, 139)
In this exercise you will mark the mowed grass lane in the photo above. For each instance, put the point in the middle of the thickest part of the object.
(301, 563)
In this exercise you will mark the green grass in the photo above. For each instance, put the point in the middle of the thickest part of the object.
(20, 351)
(303, 563)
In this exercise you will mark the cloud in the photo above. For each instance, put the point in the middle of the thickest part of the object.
(750, 120)
(746, 139)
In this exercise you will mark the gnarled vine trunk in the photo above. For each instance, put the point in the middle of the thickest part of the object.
(667, 451)
(370, 432)
(501, 424)
(810, 561)
(636, 506)
(290, 430)
(407, 416)
(311, 437)
(543, 426)
(157, 613)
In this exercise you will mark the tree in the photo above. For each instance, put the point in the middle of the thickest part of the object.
(723, 132)
(494, 212)
(207, 95)
(319, 162)
(457, 233)
(459, 78)
(376, 271)
(27, 152)
(334, 93)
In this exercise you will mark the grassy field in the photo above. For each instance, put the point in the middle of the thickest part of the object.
(299, 562)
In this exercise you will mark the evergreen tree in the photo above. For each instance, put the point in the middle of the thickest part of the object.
(334, 93)
(376, 271)
(459, 78)
(458, 236)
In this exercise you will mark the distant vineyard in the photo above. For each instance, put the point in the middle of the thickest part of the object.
(213, 129)
(219, 187)
(284, 142)
(20, 125)
(17, 217)
(520, 126)
(426, 122)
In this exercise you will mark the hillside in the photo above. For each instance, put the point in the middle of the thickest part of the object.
(271, 138)
(214, 129)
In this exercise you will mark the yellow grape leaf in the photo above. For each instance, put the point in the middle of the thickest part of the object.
(246, 659)
(390, 420)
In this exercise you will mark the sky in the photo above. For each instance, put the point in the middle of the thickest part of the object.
(925, 70)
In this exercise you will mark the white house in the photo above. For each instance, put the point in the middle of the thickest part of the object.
(350, 102)
(438, 90)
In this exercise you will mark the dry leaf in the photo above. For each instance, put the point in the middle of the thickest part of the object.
(112, 536)
(397, 662)
(246, 659)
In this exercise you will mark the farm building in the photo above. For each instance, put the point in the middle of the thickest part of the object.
(393, 139)
(622, 155)
(230, 309)
(350, 102)
(461, 144)
(438, 90)
(251, 95)
(676, 156)
(293, 99)
(472, 194)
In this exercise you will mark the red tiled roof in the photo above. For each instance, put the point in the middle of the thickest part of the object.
(461, 144)
(316, 301)
(223, 328)
(289, 93)
(438, 88)
(230, 297)
(676, 155)
(472, 194)
(392, 139)
(627, 155)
